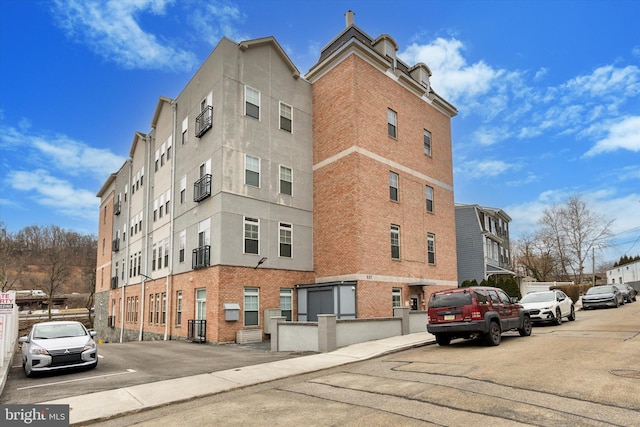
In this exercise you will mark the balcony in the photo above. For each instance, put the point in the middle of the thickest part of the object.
(114, 282)
(204, 121)
(115, 245)
(202, 188)
(197, 331)
(117, 207)
(200, 257)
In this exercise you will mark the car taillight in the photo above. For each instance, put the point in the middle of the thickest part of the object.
(475, 314)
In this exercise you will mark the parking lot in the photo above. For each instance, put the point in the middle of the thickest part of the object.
(127, 364)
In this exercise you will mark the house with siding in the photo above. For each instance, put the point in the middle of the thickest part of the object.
(482, 242)
(258, 190)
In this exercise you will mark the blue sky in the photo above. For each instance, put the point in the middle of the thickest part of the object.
(548, 93)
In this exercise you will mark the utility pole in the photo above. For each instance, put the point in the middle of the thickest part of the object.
(593, 265)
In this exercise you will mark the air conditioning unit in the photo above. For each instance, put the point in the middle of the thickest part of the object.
(268, 314)
(247, 336)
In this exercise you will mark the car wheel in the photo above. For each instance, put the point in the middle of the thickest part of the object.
(558, 316)
(443, 339)
(492, 337)
(572, 314)
(525, 331)
(27, 370)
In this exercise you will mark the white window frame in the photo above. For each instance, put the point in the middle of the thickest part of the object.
(253, 222)
(392, 123)
(431, 248)
(394, 184)
(246, 169)
(251, 304)
(395, 232)
(287, 229)
(250, 95)
(428, 194)
(285, 178)
(427, 145)
(286, 112)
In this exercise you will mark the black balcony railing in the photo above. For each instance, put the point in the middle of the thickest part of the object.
(197, 331)
(200, 257)
(117, 207)
(111, 321)
(114, 282)
(115, 245)
(202, 188)
(204, 121)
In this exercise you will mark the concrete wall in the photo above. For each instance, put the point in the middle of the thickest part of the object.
(328, 333)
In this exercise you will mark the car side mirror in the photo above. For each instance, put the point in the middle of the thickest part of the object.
(514, 300)
(93, 333)
(23, 339)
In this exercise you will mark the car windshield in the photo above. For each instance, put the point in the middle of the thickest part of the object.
(453, 299)
(539, 297)
(600, 290)
(65, 330)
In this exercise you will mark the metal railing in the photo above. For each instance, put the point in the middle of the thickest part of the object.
(202, 188)
(197, 331)
(115, 245)
(200, 257)
(204, 121)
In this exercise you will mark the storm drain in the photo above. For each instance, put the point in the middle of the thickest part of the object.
(628, 373)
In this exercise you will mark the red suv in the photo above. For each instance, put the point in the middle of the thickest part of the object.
(475, 312)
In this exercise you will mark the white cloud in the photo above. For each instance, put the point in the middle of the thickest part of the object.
(112, 30)
(606, 81)
(453, 77)
(213, 20)
(60, 152)
(621, 135)
(54, 193)
(484, 168)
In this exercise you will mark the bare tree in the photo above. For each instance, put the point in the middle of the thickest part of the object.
(534, 254)
(14, 258)
(576, 231)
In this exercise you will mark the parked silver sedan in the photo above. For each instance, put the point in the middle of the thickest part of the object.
(602, 296)
(52, 346)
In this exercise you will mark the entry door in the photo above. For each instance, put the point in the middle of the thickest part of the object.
(320, 302)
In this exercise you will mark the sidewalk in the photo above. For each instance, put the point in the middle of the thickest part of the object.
(107, 404)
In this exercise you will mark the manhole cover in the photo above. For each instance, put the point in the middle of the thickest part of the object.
(629, 373)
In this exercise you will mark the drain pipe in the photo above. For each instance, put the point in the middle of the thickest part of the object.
(169, 290)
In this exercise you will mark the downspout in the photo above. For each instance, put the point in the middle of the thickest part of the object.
(169, 289)
(145, 246)
(126, 255)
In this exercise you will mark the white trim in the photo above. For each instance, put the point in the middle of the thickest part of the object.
(378, 158)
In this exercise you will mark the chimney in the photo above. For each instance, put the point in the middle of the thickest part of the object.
(349, 15)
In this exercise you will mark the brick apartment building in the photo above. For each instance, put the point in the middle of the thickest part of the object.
(259, 189)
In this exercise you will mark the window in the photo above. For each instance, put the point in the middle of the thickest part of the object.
(251, 235)
(185, 130)
(157, 319)
(252, 102)
(182, 244)
(396, 297)
(251, 305)
(393, 186)
(178, 308)
(153, 257)
(431, 248)
(286, 303)
(183, 189)
(395, 241)
(160, 255)
(286, 180)
(164, 308)
(151, 299)
(252, 171)
(166, 253)
(391, 123)
(285, 240)
(429, 198)
(285, 117)
(201, 304)
(427, 142)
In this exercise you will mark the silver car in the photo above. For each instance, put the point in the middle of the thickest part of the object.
(52, 346)
(602, 296)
